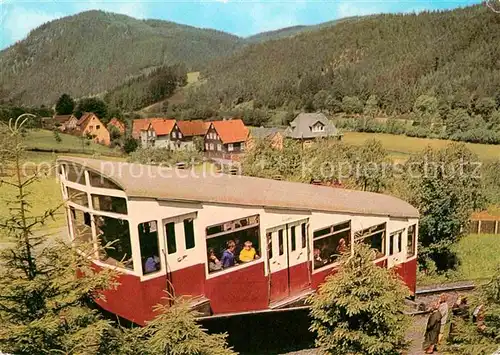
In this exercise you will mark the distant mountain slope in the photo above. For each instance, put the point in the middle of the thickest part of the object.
(452, 55)
(94, 51)
(276, 34)
(293, 30)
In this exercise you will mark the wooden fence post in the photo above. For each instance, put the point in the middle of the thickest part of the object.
(479, 227)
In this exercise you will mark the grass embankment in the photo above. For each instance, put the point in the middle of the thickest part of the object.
(478, 255)
(400, 147)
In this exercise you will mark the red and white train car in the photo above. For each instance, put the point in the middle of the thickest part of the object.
(166, 221)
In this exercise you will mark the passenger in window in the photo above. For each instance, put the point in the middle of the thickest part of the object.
(248, 253)
(213, 263)
(237, 249)
(228, 258)
(341, 247)
(318, 260)
(152, 264)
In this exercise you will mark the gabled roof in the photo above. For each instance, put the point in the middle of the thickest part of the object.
(82, 122)
(62, 118)
(159, 182)
(301, 126)
(193, 128)
(162, 126)
(118, 124)
(138, 126)
(231, 131)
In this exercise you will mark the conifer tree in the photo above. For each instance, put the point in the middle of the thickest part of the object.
(44, 306)
(359, 309)
(174, 332)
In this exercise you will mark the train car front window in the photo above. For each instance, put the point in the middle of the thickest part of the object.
(77, 196)
(81, 225)
(115, 233)
(109, 204)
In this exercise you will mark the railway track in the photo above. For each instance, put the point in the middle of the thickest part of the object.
(426, 295)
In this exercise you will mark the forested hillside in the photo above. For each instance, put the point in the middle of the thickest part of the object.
(95, 51)
(453, 56)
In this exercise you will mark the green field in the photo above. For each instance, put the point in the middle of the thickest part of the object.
(400, 146)
(44, 139)
(478, 255)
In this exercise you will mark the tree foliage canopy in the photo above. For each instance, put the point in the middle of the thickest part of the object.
(65, 105)
(445, 185)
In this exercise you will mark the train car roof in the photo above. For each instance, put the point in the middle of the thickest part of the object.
(162, 183)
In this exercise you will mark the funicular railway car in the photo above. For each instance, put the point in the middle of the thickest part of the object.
(231, 243)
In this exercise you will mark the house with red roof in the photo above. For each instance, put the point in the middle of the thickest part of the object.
(158, 133)
(89, 124)
(119, 125)
(184, 132)
(226, 137)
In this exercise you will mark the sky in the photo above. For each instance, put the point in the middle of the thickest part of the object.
(240, 17)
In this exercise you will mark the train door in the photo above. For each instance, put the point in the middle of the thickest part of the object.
(396, 254)
(180, 252)
(288, 255)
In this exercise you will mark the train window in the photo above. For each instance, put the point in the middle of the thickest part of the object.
(170, 234)
(412, 241)
(328, 247)
(77, 196)
(395, 242)
(75, 173)
(375, 237)
(303, 231)
(82, 231)
(233, 242)
(293, 236)
(97, 180)
(189, 233)
(109, 204)
(150, 248)
(280, 242)
(116, 233)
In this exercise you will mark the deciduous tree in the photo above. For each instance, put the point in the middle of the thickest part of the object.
(445, 186)
(65, 105)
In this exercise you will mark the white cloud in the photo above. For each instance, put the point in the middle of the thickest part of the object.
(17, 22)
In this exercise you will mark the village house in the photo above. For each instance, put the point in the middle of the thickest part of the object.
(90, 124)
(158, 133)
(64, 123)
(119, 125)
(309, 126)
(272, 135)
(184, 132)
(226, 137)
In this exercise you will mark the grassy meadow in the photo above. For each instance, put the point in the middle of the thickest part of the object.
(44, 139)
(400, 146)
(478, 255)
